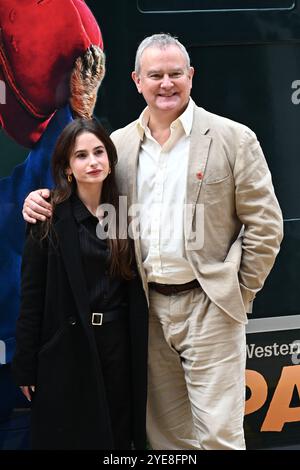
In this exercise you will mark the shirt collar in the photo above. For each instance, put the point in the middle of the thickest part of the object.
(185, 119)
(80, 211)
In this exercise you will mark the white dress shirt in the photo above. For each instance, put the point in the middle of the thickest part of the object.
(161, 187)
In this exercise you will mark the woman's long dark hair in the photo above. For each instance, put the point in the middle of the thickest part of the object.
(120, 248)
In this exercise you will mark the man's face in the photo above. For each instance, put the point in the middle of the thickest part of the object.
(164, 80)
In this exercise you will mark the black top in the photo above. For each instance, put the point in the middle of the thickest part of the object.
(105, 292)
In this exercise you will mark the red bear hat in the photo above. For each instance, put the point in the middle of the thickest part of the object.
(39, 42)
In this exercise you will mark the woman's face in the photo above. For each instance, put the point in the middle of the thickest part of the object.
(89, 162)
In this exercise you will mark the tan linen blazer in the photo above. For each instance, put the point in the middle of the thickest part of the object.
(230, 201)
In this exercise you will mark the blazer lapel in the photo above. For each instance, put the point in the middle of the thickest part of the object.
(67, 233)
(132, 162)
(199, 150)
(134, 143)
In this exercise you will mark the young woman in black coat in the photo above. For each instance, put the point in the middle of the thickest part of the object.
(81, 356)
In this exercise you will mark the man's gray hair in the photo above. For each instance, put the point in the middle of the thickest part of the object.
(161, 41)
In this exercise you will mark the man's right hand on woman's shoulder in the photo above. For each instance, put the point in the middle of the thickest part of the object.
(36, 207)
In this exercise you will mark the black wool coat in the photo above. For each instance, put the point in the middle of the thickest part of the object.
(56, 349)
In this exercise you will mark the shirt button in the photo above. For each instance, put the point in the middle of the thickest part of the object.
(72, 321)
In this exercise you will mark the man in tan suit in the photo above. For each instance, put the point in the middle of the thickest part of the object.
(209, 230)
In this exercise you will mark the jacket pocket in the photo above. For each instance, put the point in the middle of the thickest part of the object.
(217, 190)
(216, 179)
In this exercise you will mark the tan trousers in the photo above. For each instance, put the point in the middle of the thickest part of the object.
(196, 391)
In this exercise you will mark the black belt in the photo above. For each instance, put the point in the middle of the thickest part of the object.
(171, 289)
(99, 318)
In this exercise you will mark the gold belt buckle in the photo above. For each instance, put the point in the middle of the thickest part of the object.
(97, 319)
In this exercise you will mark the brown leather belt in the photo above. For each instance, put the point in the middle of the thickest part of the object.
(171, 289)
